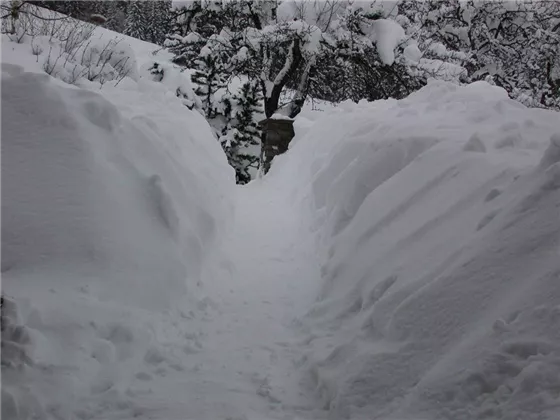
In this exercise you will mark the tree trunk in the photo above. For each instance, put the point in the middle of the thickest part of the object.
(276, 138)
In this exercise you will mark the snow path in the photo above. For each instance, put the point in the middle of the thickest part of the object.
(248, 365)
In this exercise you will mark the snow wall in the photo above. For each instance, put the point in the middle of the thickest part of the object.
(438, 220)
(111, 213)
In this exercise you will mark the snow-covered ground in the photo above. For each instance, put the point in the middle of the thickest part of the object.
(401, 261)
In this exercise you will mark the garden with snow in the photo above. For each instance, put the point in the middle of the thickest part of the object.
(401, 261)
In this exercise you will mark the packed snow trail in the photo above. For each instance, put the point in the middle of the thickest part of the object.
(247, 367)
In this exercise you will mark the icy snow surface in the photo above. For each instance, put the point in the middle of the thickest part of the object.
(400, 262)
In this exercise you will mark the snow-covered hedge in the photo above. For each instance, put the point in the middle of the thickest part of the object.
(70, 49)
(438, 219)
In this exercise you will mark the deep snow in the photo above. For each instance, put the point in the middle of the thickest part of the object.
(438, 220)
(401, 261)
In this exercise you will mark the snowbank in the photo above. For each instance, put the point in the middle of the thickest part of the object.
(113, 208)
(110, 190)
(438, 219)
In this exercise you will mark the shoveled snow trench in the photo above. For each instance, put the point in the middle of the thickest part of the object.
(108, 209)
(400, 261)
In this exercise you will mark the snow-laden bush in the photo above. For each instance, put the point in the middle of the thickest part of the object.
(176, 80)
(70, 49)
(107, 60)
(96, 59)
(30, 21)
(513, 44)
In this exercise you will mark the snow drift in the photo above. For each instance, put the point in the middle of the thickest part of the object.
(438, 217)
(110, 219)
(84, 185)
